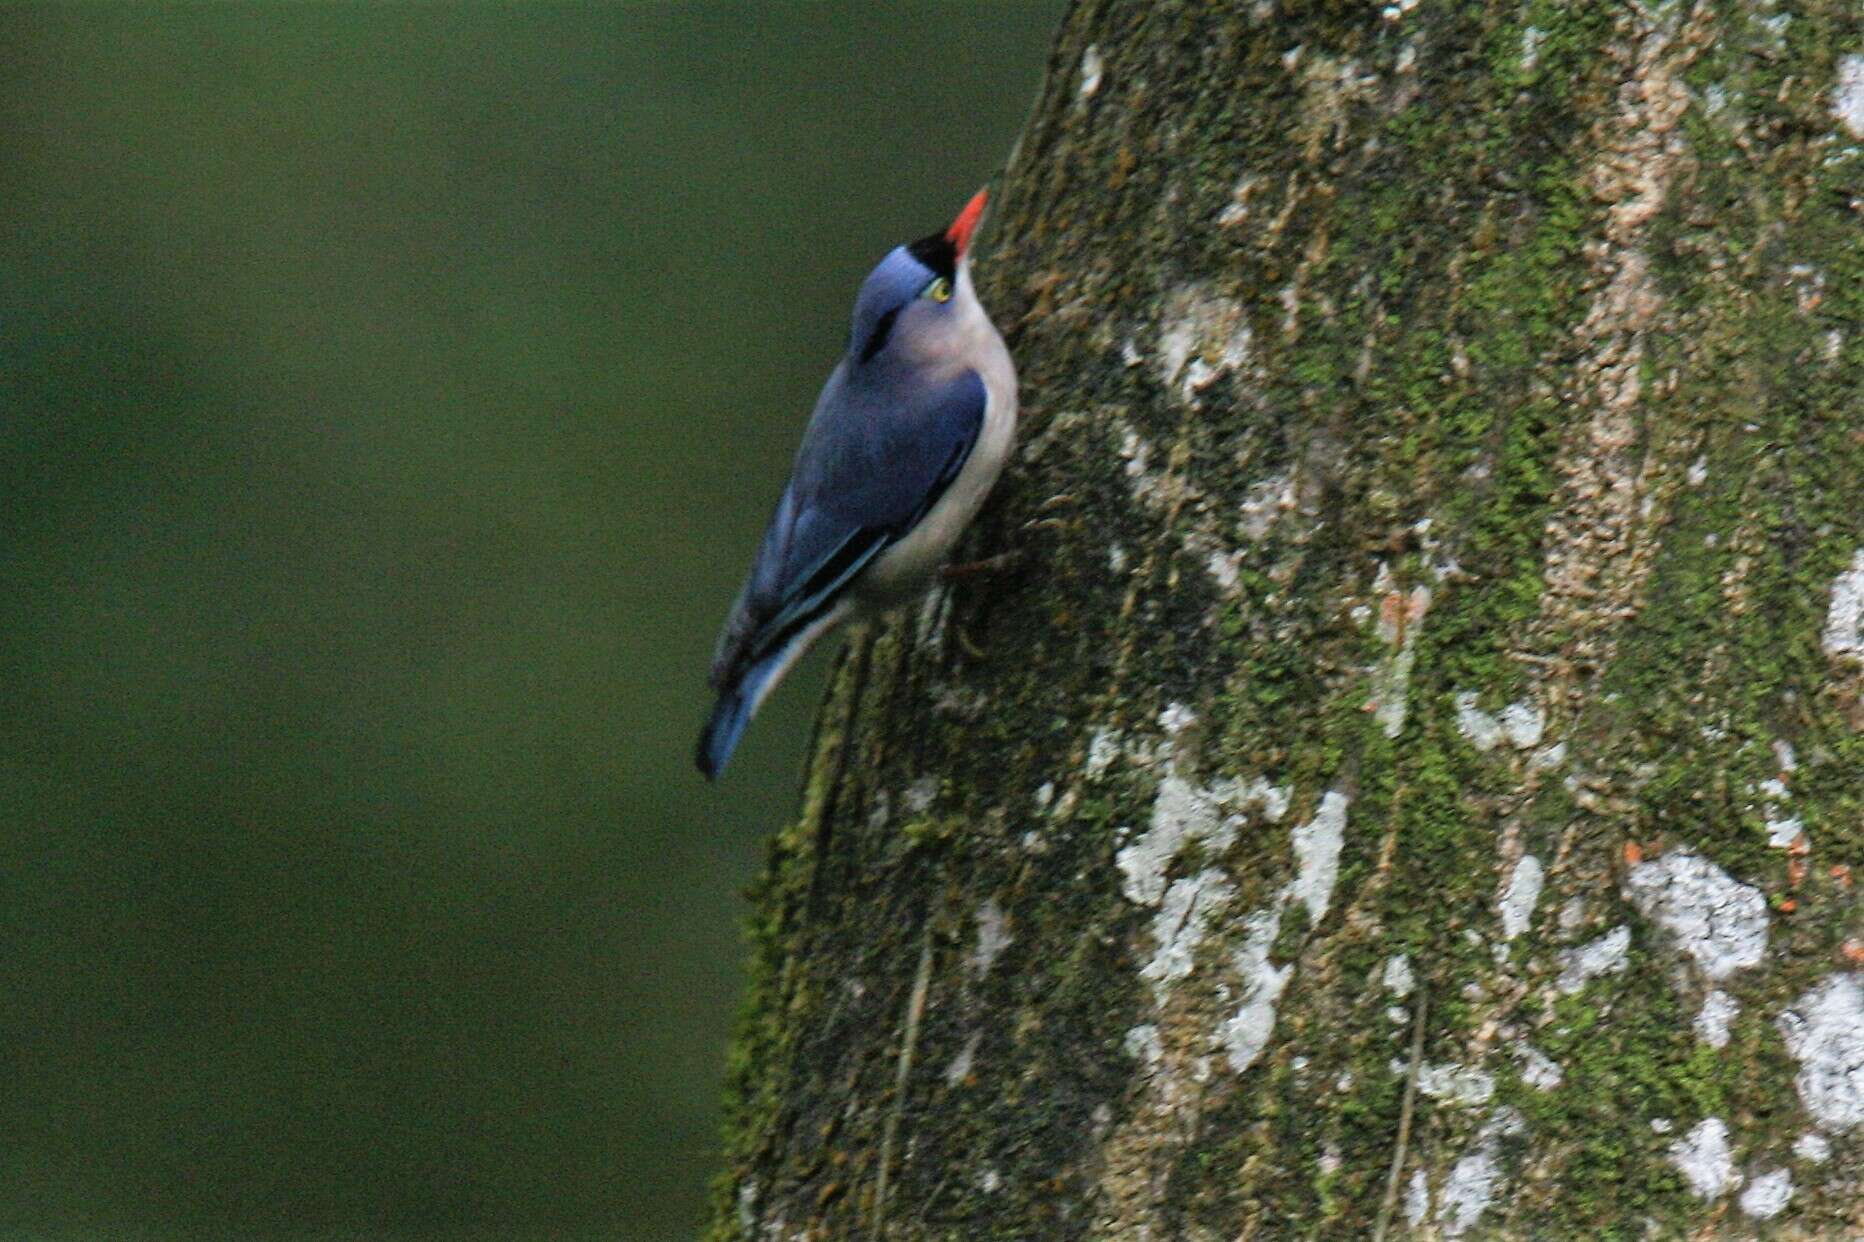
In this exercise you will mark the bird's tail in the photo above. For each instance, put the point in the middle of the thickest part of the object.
(737, 703)
(738, 697)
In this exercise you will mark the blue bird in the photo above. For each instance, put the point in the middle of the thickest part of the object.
(908, 436)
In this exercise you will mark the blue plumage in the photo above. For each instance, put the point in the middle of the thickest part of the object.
(923, 377)
(733, 712)
(869, 468)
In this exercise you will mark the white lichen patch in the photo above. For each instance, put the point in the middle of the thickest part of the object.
(1844, 620)
(1483, 730)
(1538, 1070)
(1455, 1084)
(1719, 922)
(1417, 1199)
(1530, 48)
(934, 610)
(1712, 1021)
(1183, 920)
(1224, 569)
(919, 795)
(1397, 976)
(1784, 831)
(1317, 855)
(1236, 211)
(1143, 1044)
(1768, 1194)
(1246, 1032)
(1103, 747)
(1184, 813)
(1848, 94)
(960, 1067)
(1703, 1158)
(1136, 452)
(1202, 336)
(1604, 956)
(1181, 813)
(1093, 66)
(1258, 796)
(1824, 1032)
(1176, 718)
(1468, 1191)
(1475, 1179)
(879, 812)
(1548, 757)
(1813, 1147)
(1523, 723)
(1517, 904)
(993, 937)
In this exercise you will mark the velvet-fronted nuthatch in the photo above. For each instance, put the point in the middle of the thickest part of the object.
(907, 438)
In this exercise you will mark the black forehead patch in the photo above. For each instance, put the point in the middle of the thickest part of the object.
(939, 253)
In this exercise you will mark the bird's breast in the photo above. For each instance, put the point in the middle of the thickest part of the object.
(908, 565)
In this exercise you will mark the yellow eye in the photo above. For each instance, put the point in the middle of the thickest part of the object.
(939, 290)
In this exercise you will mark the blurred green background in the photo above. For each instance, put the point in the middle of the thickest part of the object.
(390, 398)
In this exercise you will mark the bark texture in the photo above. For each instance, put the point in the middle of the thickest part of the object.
(1415, 780)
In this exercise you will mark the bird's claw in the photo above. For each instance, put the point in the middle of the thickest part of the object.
(973, 569)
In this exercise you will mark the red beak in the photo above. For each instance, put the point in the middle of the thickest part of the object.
(959, 234)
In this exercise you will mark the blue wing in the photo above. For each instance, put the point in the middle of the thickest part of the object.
(871, 464)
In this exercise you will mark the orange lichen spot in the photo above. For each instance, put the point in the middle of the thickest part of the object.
(1634, 853)
(1853, 951)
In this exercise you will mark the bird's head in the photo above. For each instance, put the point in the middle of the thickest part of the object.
(917, 305)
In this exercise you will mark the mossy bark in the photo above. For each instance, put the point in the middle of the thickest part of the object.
(1442, 525)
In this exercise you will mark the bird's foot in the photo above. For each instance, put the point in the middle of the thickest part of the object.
(977, 569)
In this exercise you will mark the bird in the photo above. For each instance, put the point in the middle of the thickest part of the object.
(906, 440)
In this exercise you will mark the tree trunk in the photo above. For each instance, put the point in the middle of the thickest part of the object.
(1411, 782)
